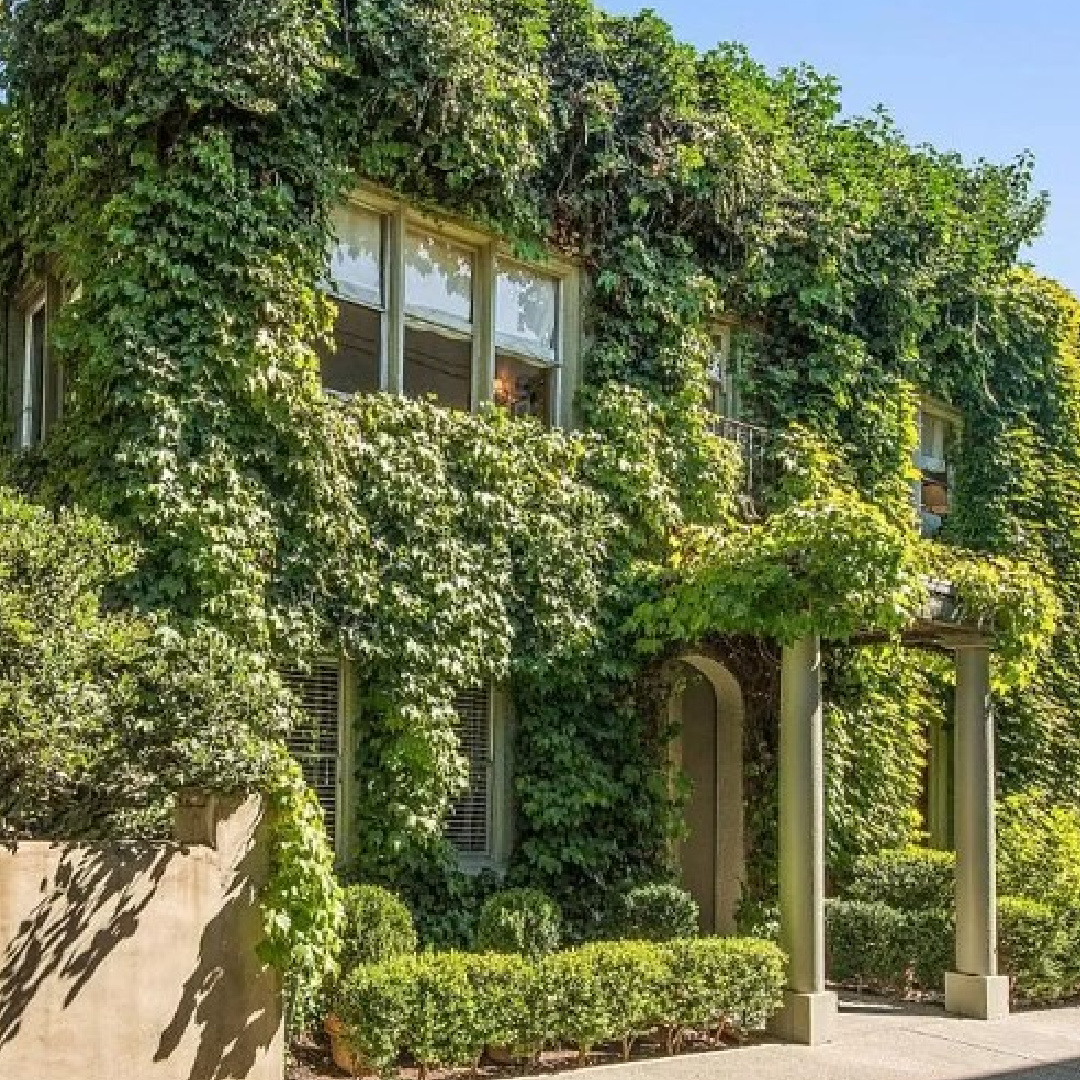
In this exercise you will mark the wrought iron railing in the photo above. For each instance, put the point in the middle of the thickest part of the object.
(752, 441)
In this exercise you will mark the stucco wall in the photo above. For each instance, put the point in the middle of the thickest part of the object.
(137, 962)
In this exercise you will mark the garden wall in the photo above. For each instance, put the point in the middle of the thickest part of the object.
(137, 961)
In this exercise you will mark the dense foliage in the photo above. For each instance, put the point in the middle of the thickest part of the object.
(180, 161)
(83, 750)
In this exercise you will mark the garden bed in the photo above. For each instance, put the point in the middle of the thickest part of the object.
(311, 1060)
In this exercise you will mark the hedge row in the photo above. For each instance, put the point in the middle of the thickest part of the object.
(888, 948)
(897, 930)
(443, 1009)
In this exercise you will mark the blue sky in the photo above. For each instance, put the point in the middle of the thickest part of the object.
(988, 79)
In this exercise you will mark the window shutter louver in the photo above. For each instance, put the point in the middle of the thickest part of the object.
(468, 826)
(316, 745)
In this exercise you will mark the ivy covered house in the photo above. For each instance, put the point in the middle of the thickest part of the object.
(607, 442)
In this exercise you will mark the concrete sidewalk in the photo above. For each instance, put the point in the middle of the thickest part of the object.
(882, 1040)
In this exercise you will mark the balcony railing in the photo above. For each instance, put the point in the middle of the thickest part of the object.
(752, 442)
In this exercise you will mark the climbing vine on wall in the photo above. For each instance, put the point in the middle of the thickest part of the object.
(179, 163)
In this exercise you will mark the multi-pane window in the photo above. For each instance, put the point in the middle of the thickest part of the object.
(938, 430)
(478, 822)
(32, 412)
(425, 313)
(356, 273)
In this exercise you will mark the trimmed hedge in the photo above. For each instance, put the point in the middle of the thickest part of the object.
(887, 948)
(910, 879)
(444, 1008)
(898, 931)
(1033, 947)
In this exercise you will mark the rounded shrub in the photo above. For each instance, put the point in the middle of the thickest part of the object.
(524, 921)
(658, 912)
(378, 927)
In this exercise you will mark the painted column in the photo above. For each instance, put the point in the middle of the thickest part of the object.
(975, 989)
(808, 1008)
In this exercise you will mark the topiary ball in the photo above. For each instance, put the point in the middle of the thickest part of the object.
(658, 912)
(525, 921)
(378, 927)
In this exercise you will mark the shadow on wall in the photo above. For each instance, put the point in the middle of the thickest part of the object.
(138, 960)
(91, 904)
(231, 1039)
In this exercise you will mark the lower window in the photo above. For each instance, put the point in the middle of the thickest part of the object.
(478, 825)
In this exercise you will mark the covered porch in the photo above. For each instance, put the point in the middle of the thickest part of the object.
(974, 988)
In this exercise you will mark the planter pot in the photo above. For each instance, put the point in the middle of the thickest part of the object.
(501, 1055)
(342, 1051)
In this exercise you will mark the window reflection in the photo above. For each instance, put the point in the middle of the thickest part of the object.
(438, 365)
(526, 307)
(438, 280)
(356, 262)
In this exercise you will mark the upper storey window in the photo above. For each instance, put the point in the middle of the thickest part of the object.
(426, 309)
(734, 350)
(723, 390)
(939, 429)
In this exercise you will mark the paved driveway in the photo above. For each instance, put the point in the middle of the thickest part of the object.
(878, 1040)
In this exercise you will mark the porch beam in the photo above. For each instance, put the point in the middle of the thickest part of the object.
(975, 989)
(808, 1008)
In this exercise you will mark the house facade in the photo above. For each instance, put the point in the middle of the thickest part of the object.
(576, 420)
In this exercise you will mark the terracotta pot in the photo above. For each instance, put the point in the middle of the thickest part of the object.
(342, 1051)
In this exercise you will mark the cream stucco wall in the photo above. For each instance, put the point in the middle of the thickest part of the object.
(137, 962)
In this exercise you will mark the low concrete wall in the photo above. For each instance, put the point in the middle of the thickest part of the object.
(137, 962)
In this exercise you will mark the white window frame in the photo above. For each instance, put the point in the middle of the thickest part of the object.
(499, 826)
(929, 407)
(488, 255)
(38, 303)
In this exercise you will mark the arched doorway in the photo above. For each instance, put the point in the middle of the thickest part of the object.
(707, 711)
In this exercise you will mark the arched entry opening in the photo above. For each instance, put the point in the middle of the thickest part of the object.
(707, 714)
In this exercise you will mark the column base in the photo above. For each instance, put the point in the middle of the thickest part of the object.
(805, 1018)
(981, 997)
